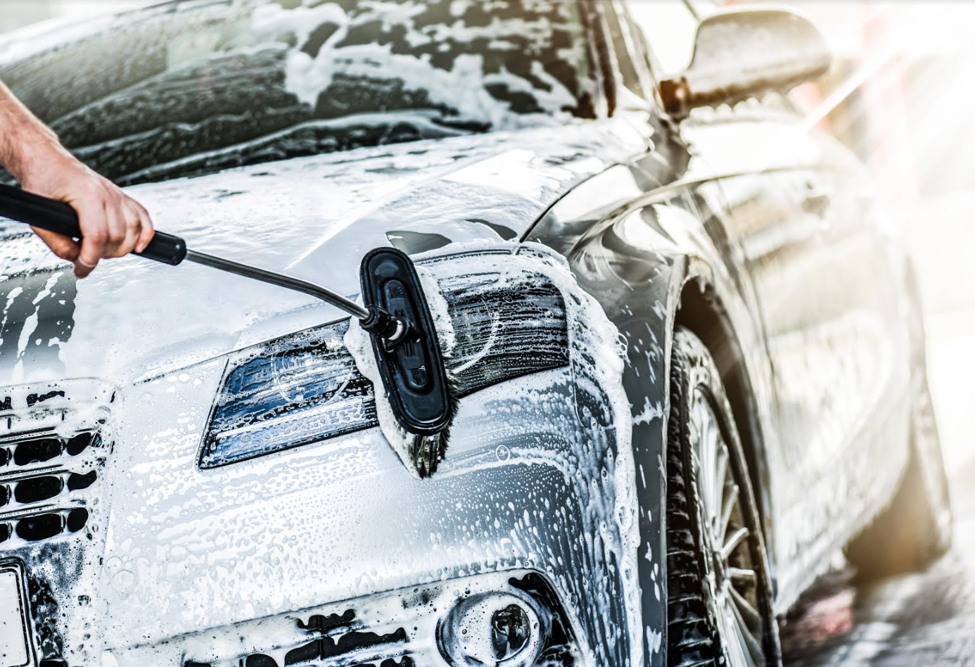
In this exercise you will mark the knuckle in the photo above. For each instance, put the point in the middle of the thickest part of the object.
(82, 269)
(98, 235)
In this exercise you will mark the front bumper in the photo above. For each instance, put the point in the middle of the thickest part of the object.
(394, 628)
(521, 490)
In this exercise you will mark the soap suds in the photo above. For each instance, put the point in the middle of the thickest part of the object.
(597, 354)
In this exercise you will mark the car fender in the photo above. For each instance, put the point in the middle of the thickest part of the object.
(640, 257)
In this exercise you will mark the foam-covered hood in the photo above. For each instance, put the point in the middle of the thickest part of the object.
(313, 218)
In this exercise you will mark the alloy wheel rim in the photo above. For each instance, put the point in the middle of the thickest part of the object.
(730, 563)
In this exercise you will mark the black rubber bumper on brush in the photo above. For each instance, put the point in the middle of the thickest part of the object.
(412, 370)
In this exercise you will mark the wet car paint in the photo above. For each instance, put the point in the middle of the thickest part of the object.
(292, 217)
(651, 235)
(828, 279)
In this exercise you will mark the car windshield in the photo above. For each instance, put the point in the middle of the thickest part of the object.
(192, 88)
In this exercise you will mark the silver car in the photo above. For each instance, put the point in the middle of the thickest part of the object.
(687, 349)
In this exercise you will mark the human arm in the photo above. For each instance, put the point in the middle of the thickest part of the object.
(112, 223)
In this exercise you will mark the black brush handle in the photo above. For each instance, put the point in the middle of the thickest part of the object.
(60, 218)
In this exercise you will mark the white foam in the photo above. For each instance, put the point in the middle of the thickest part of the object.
(464, 87)
(359, 344)
(598, 354)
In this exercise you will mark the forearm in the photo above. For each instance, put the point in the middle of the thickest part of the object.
(24, 140)
(112, 224)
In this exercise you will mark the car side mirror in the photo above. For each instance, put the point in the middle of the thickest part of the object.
(744, 53)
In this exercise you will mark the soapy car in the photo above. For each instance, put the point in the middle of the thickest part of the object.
(688, 356)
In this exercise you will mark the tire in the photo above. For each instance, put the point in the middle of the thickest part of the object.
(719, 600)
(916, 527)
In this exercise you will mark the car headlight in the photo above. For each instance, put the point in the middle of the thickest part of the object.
(16, 648)
(305, 387)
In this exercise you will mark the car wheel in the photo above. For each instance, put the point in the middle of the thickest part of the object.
(719, 601)
(916, 527)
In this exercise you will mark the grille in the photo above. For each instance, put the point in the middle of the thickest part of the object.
(50, 462)
(41, 478)
(338, 638)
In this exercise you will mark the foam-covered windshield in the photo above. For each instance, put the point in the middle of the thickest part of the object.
(198, 87)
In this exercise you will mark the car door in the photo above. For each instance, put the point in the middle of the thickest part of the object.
(804, 215)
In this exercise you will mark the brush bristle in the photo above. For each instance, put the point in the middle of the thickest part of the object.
(428, 451)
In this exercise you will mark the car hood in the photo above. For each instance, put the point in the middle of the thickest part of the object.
(312, 218)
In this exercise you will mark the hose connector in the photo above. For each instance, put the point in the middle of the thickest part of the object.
(380, 323)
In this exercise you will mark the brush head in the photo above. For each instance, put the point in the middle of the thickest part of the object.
(412, 369)
(427, 451)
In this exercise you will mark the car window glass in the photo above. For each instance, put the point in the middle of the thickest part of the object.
(624, 57)
(208, 86)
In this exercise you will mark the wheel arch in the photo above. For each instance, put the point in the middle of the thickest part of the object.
(701, 310)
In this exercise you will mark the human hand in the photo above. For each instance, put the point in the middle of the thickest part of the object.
(112, 223)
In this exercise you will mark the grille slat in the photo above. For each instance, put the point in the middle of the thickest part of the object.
(44, 480)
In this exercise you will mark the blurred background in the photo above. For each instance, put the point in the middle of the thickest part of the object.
(19, 13)
(898, 96)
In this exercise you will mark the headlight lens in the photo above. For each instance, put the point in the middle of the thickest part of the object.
(305, 387)
(15, 643)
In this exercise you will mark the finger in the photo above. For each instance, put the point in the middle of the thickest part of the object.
(94, 232)
(148, 231)
(133, 230)
(61, 246)
(115, 215)
(81, 269)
